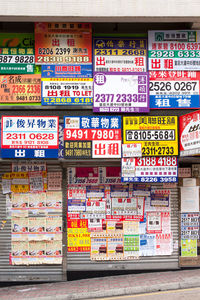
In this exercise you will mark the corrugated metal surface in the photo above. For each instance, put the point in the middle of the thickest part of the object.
(82, 262)
(22, 273)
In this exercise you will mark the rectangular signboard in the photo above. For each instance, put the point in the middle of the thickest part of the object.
(119, 54)
(92, 137)
(132, 96)
(189, 134)
(16, 89)
(63, 43)
(157, 134)
(17, 60)
(174, 89)
(67, 71)
(29, 137)
(67, 91)
(149, 169)
(174, 50)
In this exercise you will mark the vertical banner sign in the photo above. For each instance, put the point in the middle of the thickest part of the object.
(174, 50)
(67, 91)
(189, 133)
(23, 89)
(119, 54)
(157, 134)
(29, 137)
(133, 96)
(17, 60)
(150, 169)
(174, 89)
(92, 137)
(63, 43)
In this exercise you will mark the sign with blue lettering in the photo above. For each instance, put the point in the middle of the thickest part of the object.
(30, 137)
(69, 71)
(174, 89)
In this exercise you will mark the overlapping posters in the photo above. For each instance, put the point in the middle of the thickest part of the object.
(92, 137)
(174, 89)
(17, 60)
(119, 54)
(189, 132)
(174, 50)
(63, 43)
(149, 169)
(67, 91)
(23, 89)
(160, 198)
(157, 134)
(29, 137)
(133, 96)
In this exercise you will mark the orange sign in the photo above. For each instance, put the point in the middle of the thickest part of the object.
(63, 43)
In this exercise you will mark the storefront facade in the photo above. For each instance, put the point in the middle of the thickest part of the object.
(106, 207)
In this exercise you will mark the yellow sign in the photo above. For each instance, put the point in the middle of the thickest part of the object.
(78, 240)
(157, 134)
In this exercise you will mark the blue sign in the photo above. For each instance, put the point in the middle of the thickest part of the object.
(30, 137)
(67, 71)
(93, 122)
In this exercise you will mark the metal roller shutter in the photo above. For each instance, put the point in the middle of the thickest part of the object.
(81, 261)
(23, 273)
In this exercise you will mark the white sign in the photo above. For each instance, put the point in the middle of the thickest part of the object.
(174, 50)
(132, 150)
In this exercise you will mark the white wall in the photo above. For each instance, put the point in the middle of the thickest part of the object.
(101, 10)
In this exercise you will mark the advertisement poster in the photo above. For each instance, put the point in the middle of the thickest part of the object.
(160, 198)
(154, 222)
(119, 191)
(36, 181)
(54, 200)
(29, 166)
(29, 137)
(54, 180)
(163, 244)
(147, 245)
(17, 60)
(185, 172)
(149, 169)
(67, 91)
(115, 248)
(54, 225)
(124, 206)
(78, 237)
(166, 222)
(134, 92)
(83, 175)
(63, 43)
(157, 134)
(189, 133)
(190, 199)
(67, 71)
(92, 137)
(37, 201)
(174, 89)
(23, 89)
(188, 248)
(110, 175)
(131, 150)
(97, 191)
(121, 54)
(131, 246)
(174, 50)
(98, 248)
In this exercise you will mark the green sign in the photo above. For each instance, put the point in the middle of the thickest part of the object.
(188, 248)
(24, 40)
(17, 60)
